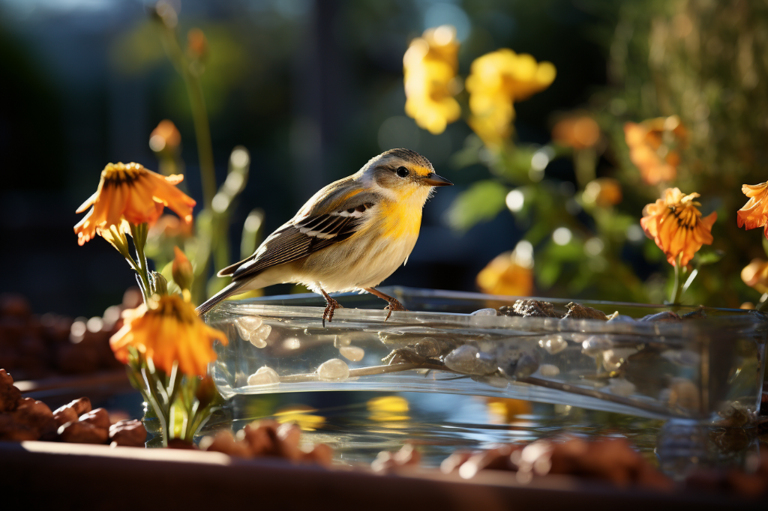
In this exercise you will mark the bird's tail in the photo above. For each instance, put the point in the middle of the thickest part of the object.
(231, 289)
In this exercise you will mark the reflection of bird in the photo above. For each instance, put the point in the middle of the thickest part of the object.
(351, 235)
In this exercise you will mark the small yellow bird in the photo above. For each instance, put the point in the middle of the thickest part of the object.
(349, 236)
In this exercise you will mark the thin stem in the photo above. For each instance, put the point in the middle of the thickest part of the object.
(139, 235)
(153, 401)
(677, 290)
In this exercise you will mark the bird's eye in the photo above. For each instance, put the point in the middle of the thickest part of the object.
(402, 171)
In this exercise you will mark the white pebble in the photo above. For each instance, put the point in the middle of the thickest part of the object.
(621, 387)
(292, 343)
(264, 376)
(553, 344)
(595, 345)
(549, 370)
(334, 369)
(246, 325)
(352, 353)
(612, 359)
(259, 336)
(485, 312)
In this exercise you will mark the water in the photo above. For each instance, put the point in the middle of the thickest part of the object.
(359, 425)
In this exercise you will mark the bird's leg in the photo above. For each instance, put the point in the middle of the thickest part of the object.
(330, 306)
(394, 305)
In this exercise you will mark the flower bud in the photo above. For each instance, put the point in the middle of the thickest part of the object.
(182, 271)
(160, 284)
(197, 44)
(206, 392)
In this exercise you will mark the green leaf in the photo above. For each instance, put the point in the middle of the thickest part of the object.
(480, 203)
(708, 257)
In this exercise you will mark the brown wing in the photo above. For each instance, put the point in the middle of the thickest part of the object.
(298, 239)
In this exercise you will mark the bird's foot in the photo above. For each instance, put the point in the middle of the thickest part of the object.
(330, 307)
(394, 305)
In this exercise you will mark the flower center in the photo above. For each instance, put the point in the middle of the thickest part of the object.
(685, 215)
(116, 174)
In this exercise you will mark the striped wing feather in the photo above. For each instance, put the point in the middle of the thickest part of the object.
(301, 237)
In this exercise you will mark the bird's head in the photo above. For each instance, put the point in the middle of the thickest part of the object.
(402, 173)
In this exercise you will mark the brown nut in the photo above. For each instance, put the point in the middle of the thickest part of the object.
(128, 433)
(64, 415)
(10, 395)
(224, 442)
(80, 406)
(36, 416)
(82, 433)
(10, 430)
(98, 417)
(322, 454)
(386, 461)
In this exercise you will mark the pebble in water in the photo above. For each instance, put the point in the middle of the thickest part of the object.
(485, 312)
(553, 344)
(682, 357)
(595, 345)
(292, 343)
(246, 325)
(467, 359)
(264, 376)
(612, 359)
(259, 336)
(621, 318)
(334, 369)
(549, 370)
(516, 363)
(683, 393)
(621, 387)
(493, 381)
(352, 353)
(428, 348)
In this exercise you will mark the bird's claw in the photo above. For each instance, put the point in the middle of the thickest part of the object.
(394, 305)
(330, 308)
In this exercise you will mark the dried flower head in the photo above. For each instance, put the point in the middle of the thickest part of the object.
(755, 212)
(676, 225)
(652, 147)
(131, 193)
(498, 79)
(429, 68)
(167, 332)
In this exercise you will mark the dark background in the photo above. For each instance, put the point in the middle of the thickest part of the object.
(311, 89)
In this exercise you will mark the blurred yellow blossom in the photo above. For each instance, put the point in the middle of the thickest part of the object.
(165, 137)
(510, 273)
(676, 225)
(168, 331)
(429, 66)
(652, 147)
(498, 79)
(755, 275)
(182, 271)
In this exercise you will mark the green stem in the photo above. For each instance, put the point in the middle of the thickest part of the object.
(159, 411)
(139, 235)
(677, 290)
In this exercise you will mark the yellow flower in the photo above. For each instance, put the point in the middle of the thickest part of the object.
(510, 273)
(132, 193)
(577, 131)
(755, 211)
(755, 275)
(429, 68)
(676, 225)
(498, 79)
(168, 332)
(651, 147)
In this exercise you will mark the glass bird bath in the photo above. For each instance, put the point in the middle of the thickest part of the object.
(702, 365)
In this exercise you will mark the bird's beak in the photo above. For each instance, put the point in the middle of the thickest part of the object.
(435, 180)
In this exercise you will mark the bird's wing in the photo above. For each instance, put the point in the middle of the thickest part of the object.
(307, 234)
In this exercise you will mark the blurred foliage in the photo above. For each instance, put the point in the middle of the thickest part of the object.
(694, 73)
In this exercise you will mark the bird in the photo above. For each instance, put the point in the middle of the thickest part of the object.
(349, 236)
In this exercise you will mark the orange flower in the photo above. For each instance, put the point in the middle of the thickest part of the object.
(170, 331)
(603, 191)
(652, 146)
(577, 131)
(165, 137)
(510, 273)
(755, 211)
(182, 271)
(755, 275)
(675, 224)
(132, 193)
